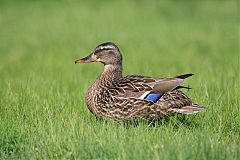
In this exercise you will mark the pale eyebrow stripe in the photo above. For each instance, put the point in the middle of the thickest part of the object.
(103, 48)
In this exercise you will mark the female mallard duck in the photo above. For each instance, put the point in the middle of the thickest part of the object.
(134, 96)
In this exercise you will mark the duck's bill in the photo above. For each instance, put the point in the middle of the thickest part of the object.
(87, 59)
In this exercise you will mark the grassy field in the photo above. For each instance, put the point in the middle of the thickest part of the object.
(43, 114)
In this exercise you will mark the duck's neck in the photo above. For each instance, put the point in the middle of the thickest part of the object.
(112, 72)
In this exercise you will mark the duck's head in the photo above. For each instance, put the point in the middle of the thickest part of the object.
(107, 53)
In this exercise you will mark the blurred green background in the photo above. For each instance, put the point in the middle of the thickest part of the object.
(42, 110)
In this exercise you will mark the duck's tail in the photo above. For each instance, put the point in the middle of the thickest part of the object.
(194, 108)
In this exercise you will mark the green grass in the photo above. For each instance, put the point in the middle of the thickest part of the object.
(42, 109)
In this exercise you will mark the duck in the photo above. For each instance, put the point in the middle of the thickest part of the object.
(133, 97)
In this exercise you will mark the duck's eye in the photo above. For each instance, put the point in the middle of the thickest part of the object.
(98, 53)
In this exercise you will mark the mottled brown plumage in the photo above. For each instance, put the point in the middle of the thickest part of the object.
(124, 98)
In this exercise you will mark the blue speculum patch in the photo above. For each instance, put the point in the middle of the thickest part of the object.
(154, 97)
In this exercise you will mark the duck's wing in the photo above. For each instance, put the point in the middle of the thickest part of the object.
(177, 102)
(143, 87)
(171, 102)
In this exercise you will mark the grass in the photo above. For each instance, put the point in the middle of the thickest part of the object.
(42, 109)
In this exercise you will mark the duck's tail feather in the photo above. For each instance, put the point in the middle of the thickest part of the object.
(180, 87)
(184, 76)
(194, 108)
